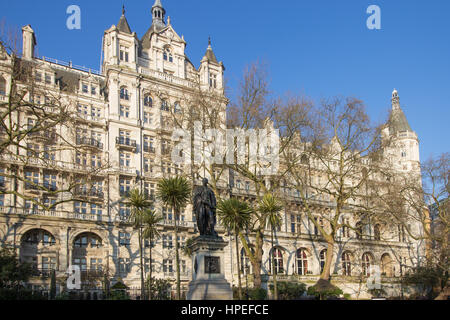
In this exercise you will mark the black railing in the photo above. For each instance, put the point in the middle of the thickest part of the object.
(91, 142)
(124, 141)
(88, 193)
(149, 149)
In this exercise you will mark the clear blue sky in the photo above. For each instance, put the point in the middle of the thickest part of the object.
(320, 48)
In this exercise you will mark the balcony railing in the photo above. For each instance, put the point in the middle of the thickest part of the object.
(126, 142)
(89, 142)
(149, 149)
(45, 135)
(93, 193)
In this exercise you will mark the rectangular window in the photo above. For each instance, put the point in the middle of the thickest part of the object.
(81, 262)
(167, 266)
(84, 88)
(124, 186)
(93, 90)
(148, 165)
(125, 159)
(96, 209)
(80, 207)
(124, 239)
(124, 211)
(96, 264)
(296, 223)
(38, 77)
(32, 180)
(96, 113)
(50, 181)
(48, 263)
(124, 111)
(167, 241)
(83, 111)
(48, 78)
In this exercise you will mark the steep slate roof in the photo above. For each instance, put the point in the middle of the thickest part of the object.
(398, 121)
(123, 25)
(67, 81)
(210, 55)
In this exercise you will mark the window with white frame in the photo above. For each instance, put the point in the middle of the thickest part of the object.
(296, 223)
(124, 186)
(322, 259)
(277, 256)
(124, 239)
(167, 265)
(346, 264)
(125, 159)
(302, 261)
(124, 94)
(123, 54)
(366, 260)
(167, 241)
(124, 111)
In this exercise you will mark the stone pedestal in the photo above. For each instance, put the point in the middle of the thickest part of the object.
(208, 277)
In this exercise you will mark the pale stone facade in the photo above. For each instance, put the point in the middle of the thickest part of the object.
(125, 122)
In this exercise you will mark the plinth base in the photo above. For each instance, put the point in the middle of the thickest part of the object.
(208, 279)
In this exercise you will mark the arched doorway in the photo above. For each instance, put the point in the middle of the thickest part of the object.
(386, 265)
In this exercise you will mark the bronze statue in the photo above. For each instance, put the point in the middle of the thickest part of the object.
(205, 209)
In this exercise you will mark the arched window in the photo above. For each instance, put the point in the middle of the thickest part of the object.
(302, 262)
(386, 265)
(322, 258)
(167, 55)
(148, 101)
(177, 107)
(86, 240)
(277, 261)
(2, 86)
(346, 264)
(38, 236)
(365, 264)
(377, 232)
(124, 94)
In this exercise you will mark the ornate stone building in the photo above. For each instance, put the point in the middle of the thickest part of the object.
(122, 140)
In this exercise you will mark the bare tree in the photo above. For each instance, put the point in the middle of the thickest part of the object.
(38, 125)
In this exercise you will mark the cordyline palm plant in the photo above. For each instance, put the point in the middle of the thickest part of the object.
(140, 209)
(235, 215)
(270, 207)
(175, 193)
(150, 232)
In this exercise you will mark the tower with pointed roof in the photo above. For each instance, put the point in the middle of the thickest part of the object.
(403, 141)
(158, 15)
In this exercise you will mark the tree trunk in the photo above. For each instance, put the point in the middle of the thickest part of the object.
(177, 256)
(150, 293)
(274, 273)
(142, 265)
(238, 264)
(327, 268)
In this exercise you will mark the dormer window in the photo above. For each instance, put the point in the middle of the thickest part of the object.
(164, 105)
(123, 54)
(84, 88)
(148, 102)
(124, 94)
(167, 55)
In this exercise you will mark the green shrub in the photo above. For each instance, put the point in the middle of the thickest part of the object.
(289, 290)
(257, 294)
(324, 290)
